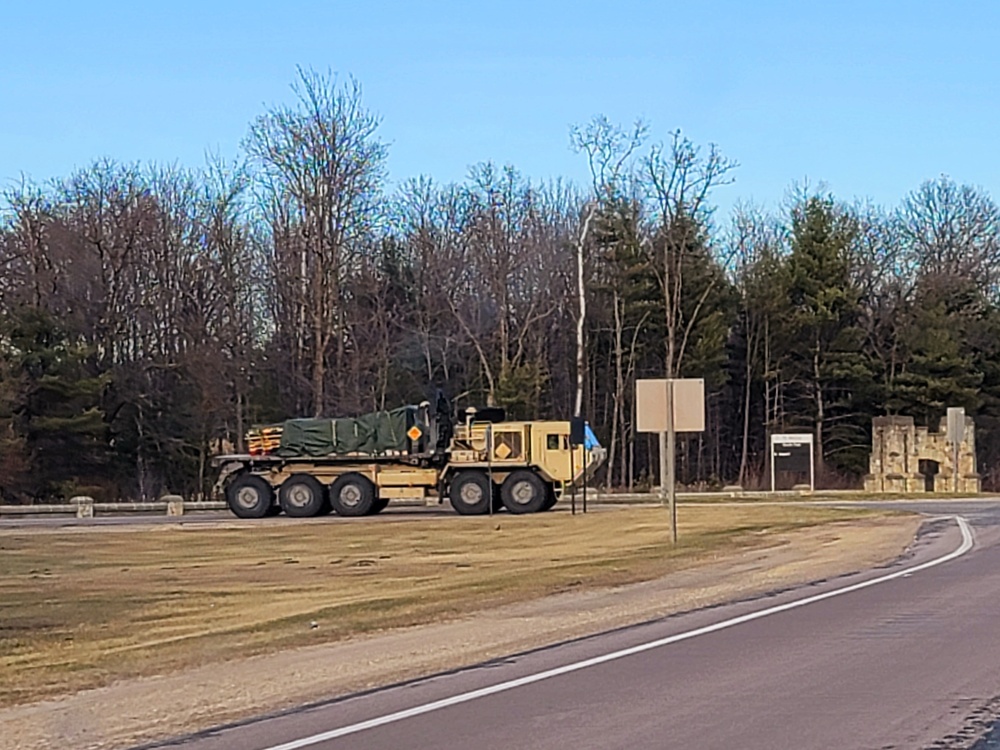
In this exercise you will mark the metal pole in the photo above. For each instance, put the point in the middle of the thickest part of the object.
(572, 475)
(957, 446)
(664, 501)
(489, 461)
(812, 467)
(671, 462)
(770, 457)
(584, 479)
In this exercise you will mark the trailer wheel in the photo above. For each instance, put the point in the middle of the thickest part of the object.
(301, 496)
(352, 495)
(249, 496)
(523, 492)
(471, 493)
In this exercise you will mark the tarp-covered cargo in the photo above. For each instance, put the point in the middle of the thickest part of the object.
(306, 437)
(375, 434)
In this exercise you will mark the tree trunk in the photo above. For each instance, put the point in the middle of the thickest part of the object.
(318, 374)
(619, 395)
(745, 447)
(820, 416)
(581, 291)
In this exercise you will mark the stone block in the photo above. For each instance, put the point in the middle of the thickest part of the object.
(175, 504)
(84, 506)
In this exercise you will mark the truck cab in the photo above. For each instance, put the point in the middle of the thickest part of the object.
(526, 465)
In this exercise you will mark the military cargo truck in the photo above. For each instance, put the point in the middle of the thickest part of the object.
(357, 466)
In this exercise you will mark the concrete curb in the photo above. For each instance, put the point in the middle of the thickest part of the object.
(85, 507)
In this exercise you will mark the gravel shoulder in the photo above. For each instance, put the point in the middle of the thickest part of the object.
(148, 709)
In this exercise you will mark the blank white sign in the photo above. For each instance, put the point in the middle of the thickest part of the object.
(651, 405)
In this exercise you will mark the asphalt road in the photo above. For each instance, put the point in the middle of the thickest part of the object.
(910, 658)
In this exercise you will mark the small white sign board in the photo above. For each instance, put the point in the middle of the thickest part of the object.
(956, 424)
(956, 433)
(783, 446)
(793, 438)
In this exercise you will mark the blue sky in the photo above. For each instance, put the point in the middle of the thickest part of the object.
(869, 97)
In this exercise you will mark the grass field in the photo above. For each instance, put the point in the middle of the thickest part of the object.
(83, 607)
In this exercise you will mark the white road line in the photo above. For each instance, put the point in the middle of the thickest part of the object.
(967, 542)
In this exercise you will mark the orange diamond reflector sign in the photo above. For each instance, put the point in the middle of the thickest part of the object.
(414, 433)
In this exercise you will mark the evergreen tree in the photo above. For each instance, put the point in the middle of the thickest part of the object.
(14, 460)
(983, 337)
(829, 373)
(56, 414)
(938, 372)
(627, 327)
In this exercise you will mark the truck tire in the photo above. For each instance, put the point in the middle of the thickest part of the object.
(470, 493)
(352, 495)
(301, 496)
(249, 496)
(523, 492)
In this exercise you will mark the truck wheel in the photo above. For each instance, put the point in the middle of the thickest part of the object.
(249, 496)
(471, 493)
(352, 495)
(301, 496)
(523, 492)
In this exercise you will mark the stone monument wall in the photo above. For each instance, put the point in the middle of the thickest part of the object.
(907, 458)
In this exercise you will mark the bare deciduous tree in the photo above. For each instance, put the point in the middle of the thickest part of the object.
(680, 180)
(321, 172)
(609, 149)
(952, 231)
(756, 245)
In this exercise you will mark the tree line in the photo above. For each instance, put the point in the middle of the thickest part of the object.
(149, 315)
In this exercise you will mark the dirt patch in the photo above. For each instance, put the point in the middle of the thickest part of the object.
(745, 552)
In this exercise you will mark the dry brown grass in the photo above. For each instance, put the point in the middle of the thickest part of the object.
(83, 607)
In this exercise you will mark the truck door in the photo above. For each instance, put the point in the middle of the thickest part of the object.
(556, 456)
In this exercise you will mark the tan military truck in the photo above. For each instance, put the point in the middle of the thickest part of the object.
(357, 466)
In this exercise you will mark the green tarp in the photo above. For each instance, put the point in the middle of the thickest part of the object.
(372, 434)
(306, 437)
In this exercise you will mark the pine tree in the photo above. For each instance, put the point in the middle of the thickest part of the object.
(937, 372)
(14, 464)
(56, 414)
(830, 373)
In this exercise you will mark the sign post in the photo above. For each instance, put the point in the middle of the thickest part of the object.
(489, 461)
(667, 407)
(578, 437)
(671, 480)
(956, 433)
